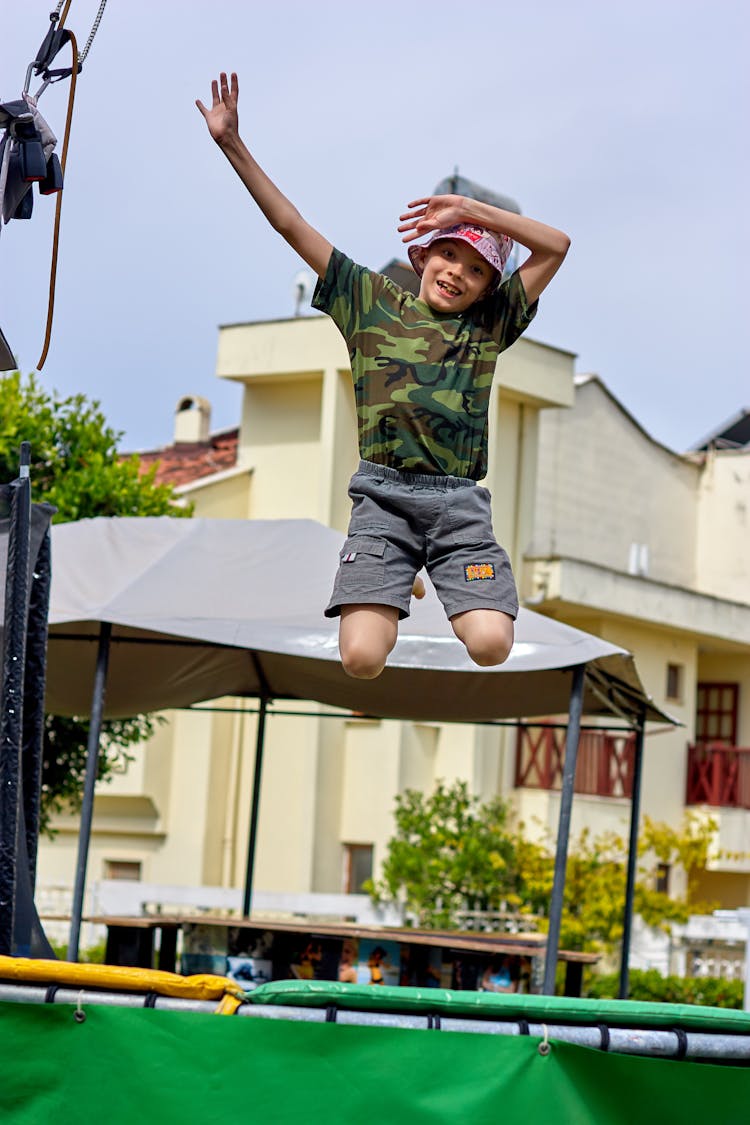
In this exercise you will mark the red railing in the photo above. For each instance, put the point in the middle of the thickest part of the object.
(604, 767)
(718, 775)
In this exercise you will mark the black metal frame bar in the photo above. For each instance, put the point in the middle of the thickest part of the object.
(92, 769)
(635, 812)
(260, 738)
(11, 711)
(563, 831)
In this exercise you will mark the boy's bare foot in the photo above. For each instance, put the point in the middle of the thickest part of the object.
(418, 590)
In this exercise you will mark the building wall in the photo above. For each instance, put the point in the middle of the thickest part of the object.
(227, 498)
(604, 486)
(584, 484)
(723, 557)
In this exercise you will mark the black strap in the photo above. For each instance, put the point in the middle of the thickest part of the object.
(59, 73)
(51, 45)
(682, 1042)
(331, 1013)
(604, 1032)
(433, 1021)
(523, 1027)
(49, 996)
(150, 1000)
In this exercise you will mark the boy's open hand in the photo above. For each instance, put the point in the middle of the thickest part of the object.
(221, 118)
(435, 212)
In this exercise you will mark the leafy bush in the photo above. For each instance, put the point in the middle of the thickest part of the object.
(451, 852)
(92, 955)
(650, 985)
(76, 466)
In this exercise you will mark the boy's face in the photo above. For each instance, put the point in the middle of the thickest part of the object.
(455, 276)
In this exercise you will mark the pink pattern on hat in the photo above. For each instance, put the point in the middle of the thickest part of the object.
(495, 248)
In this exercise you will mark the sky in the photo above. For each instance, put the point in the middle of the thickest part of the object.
(623, 124)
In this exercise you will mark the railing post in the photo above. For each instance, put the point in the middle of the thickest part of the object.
(519, 752)
(550, 758)
(715, 779)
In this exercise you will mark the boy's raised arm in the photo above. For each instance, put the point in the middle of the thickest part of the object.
(548, 246)
(222, 122)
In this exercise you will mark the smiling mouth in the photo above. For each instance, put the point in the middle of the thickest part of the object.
(448, 289)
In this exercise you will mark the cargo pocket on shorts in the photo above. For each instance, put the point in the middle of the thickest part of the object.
(362, 564)
(469, 516)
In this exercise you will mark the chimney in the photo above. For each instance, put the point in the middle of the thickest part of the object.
(192, 420)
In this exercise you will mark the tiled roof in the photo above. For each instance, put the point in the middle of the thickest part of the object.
(187, 461)
(732, 434)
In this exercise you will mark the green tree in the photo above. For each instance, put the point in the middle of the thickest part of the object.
(75, 465)
(451, 853)
(447, 852)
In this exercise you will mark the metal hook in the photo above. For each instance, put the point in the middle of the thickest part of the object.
(79, 1015)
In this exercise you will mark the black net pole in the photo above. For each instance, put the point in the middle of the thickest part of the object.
(92, 769)
(257, 778)
(563, 830)
(33, 712)
(635, 812)
(11, 711)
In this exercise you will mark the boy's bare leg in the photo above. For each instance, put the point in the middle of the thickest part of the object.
(487, 634)
(367, 634)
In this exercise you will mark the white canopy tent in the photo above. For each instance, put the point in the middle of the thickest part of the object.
(189, 610)
(189, 600)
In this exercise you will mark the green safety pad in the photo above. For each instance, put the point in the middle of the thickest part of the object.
(124, 1065)
(502, 1006)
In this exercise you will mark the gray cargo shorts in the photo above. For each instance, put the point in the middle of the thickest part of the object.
(403, 521)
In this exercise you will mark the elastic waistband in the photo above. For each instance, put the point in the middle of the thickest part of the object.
(415, 480)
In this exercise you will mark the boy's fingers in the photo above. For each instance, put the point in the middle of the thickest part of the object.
(420, 202)
(201, 107)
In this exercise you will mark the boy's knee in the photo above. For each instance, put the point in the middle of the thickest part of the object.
(489, 651)
(366, 636)
(488, 638)
(361, 660)
(362, 666)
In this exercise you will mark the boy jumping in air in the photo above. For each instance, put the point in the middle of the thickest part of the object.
(422, 370)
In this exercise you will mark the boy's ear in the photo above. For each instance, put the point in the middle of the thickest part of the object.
(420, 253)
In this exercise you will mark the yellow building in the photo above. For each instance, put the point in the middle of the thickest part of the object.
(606, 529)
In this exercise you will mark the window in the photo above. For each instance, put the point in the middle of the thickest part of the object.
(357, 867)
(122, 869)
(662, 878)
(674, 681)
(716, 713)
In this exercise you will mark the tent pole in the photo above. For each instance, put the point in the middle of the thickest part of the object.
(563, 830)
(259, 742)
(635, 812)
(92, 767)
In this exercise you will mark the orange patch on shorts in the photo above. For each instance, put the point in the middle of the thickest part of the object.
(477, 572)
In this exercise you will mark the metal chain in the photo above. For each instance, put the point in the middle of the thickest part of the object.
(92, 33)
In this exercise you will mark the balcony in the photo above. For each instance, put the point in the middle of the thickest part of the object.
(718, 775)
(604, 767)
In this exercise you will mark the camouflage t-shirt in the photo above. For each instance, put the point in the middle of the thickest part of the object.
(422, 378)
